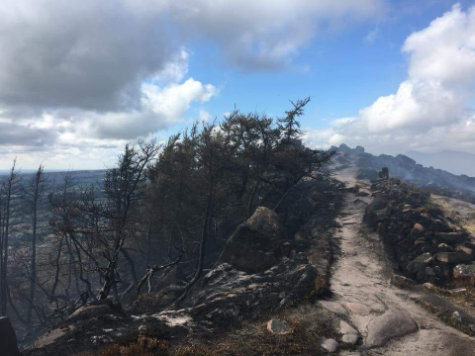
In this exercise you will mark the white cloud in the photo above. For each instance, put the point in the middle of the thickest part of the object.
(161, 107)
(72, 73)
(86, 54)
(92, 54)
(79, 139)
(432, 108)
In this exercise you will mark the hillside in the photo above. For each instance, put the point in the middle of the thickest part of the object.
(56, 178)
(408, 170)
(217, 244)
(321, 275)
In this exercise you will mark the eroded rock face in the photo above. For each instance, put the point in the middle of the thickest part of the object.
(258, 243)
(8, 342)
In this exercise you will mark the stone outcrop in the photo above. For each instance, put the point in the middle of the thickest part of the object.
(258, 243)
(226, 295)
(423, 243)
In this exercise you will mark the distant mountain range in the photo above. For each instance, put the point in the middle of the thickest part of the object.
(408, 170)
(452, 161)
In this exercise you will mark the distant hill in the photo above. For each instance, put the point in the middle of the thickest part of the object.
(408, 170)
(455, 162)
(56, 178)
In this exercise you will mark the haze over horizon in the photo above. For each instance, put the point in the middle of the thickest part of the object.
(79, 80)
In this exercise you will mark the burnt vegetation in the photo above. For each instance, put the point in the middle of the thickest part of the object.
(162, 208)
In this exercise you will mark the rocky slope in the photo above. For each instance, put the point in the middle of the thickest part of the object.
(272, 263)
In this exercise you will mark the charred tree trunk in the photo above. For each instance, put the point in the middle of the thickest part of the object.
(8, 190)
(35, 198)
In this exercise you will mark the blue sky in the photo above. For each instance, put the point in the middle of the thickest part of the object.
(78, 81)
(341, 71)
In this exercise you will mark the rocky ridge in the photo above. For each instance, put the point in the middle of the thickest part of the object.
(278, 288)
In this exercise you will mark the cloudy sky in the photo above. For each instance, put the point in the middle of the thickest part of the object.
(79, 79)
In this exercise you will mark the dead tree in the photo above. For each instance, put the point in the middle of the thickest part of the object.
(6, 195)
(33, 196)
(122, 187)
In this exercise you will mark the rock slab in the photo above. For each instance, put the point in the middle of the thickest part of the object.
(391, 324)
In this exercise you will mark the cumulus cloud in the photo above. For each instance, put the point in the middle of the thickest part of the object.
(14, 134)
(118, 70)
(433, 105)
(87, 54)
(161, 107)
(95, 54)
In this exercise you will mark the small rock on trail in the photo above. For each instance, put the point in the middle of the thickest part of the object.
(330, 345)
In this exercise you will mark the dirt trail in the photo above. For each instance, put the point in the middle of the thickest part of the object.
(389, 322)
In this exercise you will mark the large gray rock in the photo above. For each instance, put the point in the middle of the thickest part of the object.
(256, 244)
(390, 325)
(8, 342)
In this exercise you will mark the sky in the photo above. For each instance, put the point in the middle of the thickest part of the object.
(79, 80)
